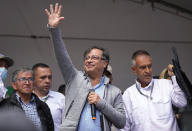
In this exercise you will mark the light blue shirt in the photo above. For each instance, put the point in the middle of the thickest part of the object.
(86, 123)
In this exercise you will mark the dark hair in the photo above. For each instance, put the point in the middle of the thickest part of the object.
(105, 54)
(137, 53)
(42, 65)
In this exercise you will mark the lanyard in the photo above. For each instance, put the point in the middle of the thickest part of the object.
(46, 99)
(150, 96)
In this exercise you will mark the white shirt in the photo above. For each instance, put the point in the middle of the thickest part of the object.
(156, 114)
(56, 103)
(3, 90)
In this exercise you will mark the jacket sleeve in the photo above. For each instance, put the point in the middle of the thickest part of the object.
(115, 113)
(62, 56)
(177, 95)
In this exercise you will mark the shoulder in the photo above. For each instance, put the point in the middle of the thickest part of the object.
(79, 76)
(40, 104)
(130, 90)
(113, 87)
(4, 102)
(9, 103)
(113, 90)
(162, 82)
(56, 94)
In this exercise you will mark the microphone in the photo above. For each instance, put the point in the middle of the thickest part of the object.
(93, 110)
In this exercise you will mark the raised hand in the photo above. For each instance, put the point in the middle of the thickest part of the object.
(170, 70)
(54, 16)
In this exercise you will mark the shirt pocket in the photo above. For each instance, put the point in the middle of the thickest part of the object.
(161, 109)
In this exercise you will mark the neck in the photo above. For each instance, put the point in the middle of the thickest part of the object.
(143, 84)
(40, 94)
(95, 81)
(95, 78)
(25, 97)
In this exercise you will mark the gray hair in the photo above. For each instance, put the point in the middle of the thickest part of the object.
(18, 71)
(137, 53)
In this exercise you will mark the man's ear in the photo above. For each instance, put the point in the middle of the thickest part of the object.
(133, 68)
(13, 85)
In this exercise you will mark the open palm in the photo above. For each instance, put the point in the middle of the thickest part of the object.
(54, 16)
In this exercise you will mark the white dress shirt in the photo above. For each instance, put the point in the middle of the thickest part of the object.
(56, 103)
(150, 109)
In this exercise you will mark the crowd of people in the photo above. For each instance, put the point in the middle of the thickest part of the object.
(88, 101)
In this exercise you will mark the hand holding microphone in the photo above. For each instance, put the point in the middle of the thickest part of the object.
(93, 98)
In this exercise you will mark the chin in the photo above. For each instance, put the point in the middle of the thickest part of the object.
(88, 71)
(47, 89)
(28, 92)
(148, 81)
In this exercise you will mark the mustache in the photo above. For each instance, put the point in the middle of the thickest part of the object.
(146, 75)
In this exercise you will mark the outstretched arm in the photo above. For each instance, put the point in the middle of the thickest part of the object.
(63, 58)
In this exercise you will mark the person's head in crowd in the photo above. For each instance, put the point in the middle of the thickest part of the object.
(61, 89)
(22, 82)
(42, 79)
(108, 73)
(164, 74)
(5, 63)
(142, 66)
(96, 60)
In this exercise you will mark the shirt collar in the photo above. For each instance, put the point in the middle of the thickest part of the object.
(106, 79)
(32, 100)
(50, 94)
(100, 84)
(148, 87)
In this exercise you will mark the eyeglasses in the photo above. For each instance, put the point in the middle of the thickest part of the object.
(93, 57)
(23, 79)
